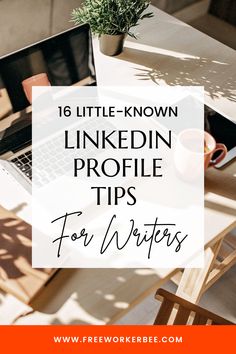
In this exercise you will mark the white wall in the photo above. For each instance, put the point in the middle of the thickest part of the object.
(23, 22)
(171, 6)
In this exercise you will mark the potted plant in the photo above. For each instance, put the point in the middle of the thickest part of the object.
(111, 20)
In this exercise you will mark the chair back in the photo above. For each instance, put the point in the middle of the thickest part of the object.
(177, 311)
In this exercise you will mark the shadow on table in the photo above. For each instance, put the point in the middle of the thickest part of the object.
(183, 70)
(15, 244)
(17, 276)
(2, 295)
(99, 295)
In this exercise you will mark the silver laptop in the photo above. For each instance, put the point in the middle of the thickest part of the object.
(66, 59)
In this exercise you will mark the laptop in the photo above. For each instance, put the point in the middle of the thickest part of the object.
(65, 59)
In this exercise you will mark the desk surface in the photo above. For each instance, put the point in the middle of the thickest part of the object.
(220, 202)
(185, 56)
(170, 52)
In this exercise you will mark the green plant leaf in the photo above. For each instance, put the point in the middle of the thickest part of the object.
(111, 16)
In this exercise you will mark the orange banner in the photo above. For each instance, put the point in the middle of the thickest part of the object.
(116, 339)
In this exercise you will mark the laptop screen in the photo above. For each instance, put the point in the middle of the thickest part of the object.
(62, 60)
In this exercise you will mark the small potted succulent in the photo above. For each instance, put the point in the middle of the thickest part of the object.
(111, 20)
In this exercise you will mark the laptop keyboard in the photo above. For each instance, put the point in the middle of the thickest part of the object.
(49, 150)
(24, 163)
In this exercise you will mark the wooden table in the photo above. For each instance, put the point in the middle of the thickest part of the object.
(168, 52)
(220, 244)
(108, 294)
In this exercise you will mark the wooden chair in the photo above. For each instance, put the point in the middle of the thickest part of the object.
(177, 311)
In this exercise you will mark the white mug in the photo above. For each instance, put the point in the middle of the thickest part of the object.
(189, 154)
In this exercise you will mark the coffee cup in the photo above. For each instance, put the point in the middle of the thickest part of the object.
(194, 152)
(210, 147)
